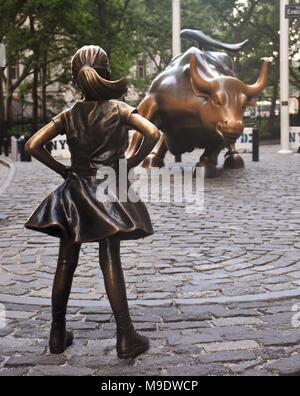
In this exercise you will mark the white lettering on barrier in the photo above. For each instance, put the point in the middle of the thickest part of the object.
(244, 143)
(295, 138)
(60, 148)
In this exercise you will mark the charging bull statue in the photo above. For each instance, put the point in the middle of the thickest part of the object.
(198, 102)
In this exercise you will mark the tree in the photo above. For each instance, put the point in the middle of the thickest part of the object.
(11, 19)
(43, 43)
(257, 21)
(42, 37)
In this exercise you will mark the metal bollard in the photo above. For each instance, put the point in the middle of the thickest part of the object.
(178, 158)
(24, 156)
(255, 145)
(14, 149)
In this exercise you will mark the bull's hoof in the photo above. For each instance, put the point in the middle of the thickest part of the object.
(210, 170)
(234, 161)
(153, 161)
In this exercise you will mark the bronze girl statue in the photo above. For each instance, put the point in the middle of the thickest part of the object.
(97, 135)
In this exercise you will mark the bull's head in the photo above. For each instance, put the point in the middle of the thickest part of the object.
(225, 99)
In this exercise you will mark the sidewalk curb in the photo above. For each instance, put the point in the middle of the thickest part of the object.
(11, 174)
(247, 298)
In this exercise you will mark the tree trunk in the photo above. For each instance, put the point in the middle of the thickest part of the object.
(8, 101)
(35, 101)
(44, 86)
(298, 113)
(271, 121)
(35, 81)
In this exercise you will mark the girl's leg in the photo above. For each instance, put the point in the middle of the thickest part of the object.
(129, 343)
(66, 266)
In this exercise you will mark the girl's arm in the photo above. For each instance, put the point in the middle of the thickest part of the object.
(36, 147)
(151, 137)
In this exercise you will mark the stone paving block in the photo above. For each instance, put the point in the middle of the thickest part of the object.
(164, 361)
(235, 321)
(60, 371)
(96, 310)
(94, 334)
(289, 366)
(200, 370)
(98, 318)
(256, 373)
(226, 357)
(13, 372)
(31, 360)
(280, 320)
(32, 333)
(19, 314)
(252, 257)
(6, 331)
(76, 325)
(229, 346)
(10, 345)
(183, 325)
(126, 372)
(195, 339)
(281, 338)
(94, 362)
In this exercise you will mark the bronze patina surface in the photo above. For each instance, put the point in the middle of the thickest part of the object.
(198, 102)
(97, 135)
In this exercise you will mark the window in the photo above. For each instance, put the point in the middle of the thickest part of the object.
(141, 70)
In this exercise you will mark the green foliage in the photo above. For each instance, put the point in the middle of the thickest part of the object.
(39, 32)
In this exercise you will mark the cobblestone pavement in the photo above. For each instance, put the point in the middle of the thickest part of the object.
(3, 173)
(217, 292)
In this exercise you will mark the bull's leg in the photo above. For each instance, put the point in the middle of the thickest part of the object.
(209, 160)
(156, 158)
(233, 159)
(135, 143)
(147, 109)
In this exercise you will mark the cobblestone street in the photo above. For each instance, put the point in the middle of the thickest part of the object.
(3, 174)
(218, 292)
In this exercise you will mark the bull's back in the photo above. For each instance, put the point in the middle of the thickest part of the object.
(177, 109)
(176, 76)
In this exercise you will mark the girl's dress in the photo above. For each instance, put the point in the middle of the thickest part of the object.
(97, 137)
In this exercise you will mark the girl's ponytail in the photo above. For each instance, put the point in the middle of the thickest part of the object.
(90, 70)
(96, 87)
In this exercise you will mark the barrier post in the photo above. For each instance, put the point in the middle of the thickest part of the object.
(255, 145)
(14, 149)
(178, 158)
(24, 156)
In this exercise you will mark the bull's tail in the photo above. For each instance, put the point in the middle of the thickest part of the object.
(205, 41)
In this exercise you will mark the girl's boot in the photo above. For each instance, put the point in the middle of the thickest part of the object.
(129, 343)
(60, 339)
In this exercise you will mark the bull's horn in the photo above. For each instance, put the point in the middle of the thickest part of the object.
(205, 41)
(261, 83)
(201, 84)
